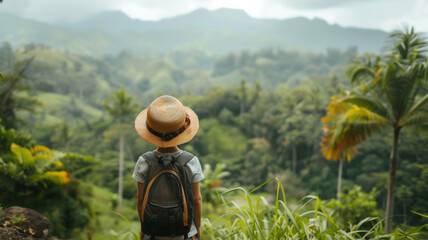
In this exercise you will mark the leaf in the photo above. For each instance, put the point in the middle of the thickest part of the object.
(57, 177)
(420, 214)
(368, 103)
(391, 73)
(377, 75)
(24, 156)
(2, 77)
(40, 149)
(7, 224)
(421, 105)
(361, 72)
(344, 131)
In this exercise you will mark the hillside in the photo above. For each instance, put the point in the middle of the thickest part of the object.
(262, 114)
(219, 31)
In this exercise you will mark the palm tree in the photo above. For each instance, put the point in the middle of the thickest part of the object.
(122, 108)
(10, 102)
(389, 95)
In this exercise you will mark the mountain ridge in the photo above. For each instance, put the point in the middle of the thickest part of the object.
(219, 31)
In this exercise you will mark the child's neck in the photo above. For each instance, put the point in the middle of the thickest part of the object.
(168, 149)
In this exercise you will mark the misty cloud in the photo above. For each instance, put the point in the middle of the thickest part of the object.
(320, 4)
(383, 14)
(71, 11)
(54, 10)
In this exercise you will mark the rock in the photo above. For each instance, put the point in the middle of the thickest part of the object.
(25, 221)
(11, 233)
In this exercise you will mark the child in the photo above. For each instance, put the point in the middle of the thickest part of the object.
(166, 123)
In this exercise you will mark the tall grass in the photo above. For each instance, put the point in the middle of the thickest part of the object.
(256, 219)
(259, 220)
(133, 233)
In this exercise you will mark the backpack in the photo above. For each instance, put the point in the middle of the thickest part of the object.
(167, 207)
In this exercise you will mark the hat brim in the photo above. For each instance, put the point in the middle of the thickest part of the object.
(185, 136)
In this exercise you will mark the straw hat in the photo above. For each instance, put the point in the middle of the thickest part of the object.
(167, 122)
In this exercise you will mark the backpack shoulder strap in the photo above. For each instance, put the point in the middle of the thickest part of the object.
(185, 157)
(150, 157)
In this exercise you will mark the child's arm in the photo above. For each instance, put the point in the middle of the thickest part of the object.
(197, 203)
(140, 203)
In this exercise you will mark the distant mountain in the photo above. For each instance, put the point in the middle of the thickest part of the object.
(218, 31)
(110, 21)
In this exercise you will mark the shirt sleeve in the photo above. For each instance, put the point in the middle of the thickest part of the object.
(195, 167)
(140, 170)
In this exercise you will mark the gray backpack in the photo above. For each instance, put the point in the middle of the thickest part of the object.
(167, 208)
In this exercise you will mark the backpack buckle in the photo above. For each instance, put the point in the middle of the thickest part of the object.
(167, 159)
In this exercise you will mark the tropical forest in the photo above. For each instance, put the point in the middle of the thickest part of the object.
(307, 130)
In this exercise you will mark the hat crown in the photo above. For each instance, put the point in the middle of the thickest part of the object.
(166, 114)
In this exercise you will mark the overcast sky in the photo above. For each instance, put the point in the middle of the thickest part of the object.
(378, 14)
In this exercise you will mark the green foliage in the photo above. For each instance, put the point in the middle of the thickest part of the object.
(259, 219)
(121, 106)
(34, 177)
(251, 217)
(9, 136)
(14, 94)
(212, 185)
(35, 180)
(390, 94)
(58, 107)
(7, 58)
(66, 210)
(17, 219)
(257, 162)
(217, 142)
(267, 125)
(124, 235)
(354, 206)
(30, 170)
(79, 166)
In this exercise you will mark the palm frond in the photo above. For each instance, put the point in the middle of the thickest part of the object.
(421, 105)
(418, 119)
(418, 114)
(370, 104)
(120, 105)
(330, 151)
(362, 72)
(425, 73)
(377, 76)
(399, 88)
(408, 46)
(336, 107)
(344, 131)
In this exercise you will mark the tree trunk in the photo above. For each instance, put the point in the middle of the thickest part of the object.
(243, 97)
(294, 163)
(130, 152)
(67, 146)
(391, 183)
(339, 180)
(405, 214)
(121, 172)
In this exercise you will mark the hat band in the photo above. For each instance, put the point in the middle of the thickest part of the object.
(166, 136)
